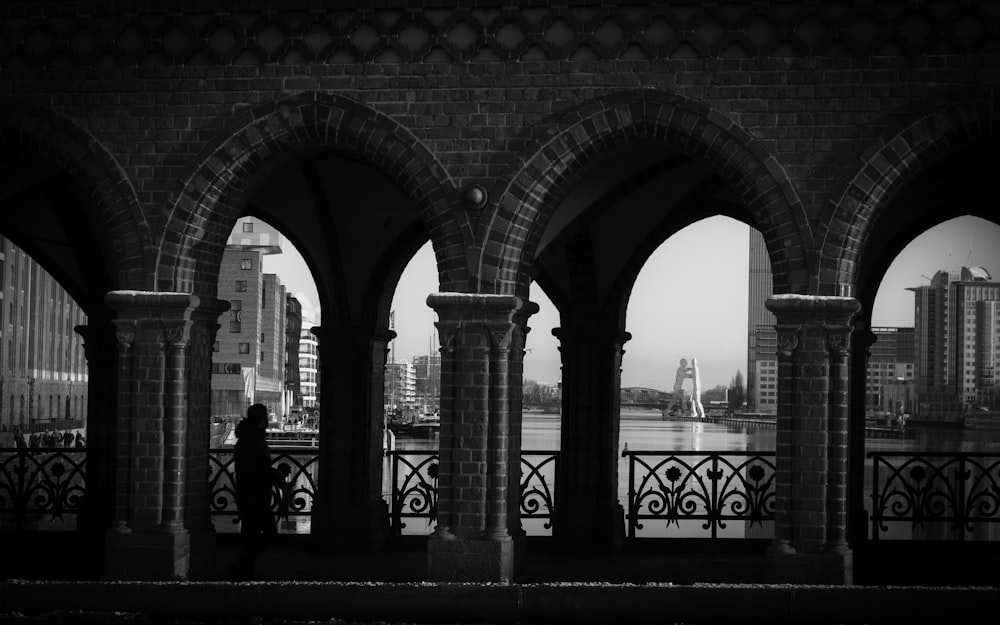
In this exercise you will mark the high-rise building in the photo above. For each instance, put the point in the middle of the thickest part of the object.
(293, 332)
(889, 384)
(762, 338)
(956, 348)
(400, 386)
(308, 365)
(43, 370)
(248, 363)
(427, 373)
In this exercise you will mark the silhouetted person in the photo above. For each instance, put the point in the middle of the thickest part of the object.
(254, 480)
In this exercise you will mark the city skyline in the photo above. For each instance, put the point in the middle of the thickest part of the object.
(716, 332)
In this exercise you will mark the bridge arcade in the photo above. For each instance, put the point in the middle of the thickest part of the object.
(127, 167)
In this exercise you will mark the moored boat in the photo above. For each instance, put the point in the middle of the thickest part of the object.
(982, 420)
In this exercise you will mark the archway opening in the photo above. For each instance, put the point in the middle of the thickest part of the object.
(932, 381)
(44, 390)
(265, 352)
(696, 330)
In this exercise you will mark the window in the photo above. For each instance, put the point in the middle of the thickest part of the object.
(236, 316)
(244, 348)
(241, 286)
(246, 263)
(247, 226)
(261, 337)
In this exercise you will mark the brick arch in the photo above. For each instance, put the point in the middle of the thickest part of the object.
(212, 195)
(112, 198)
(529, 195)
(884, 168)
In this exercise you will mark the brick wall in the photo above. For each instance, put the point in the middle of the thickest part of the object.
(809, 123)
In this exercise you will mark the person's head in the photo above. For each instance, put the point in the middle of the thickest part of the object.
(257, 415)
(684, 362)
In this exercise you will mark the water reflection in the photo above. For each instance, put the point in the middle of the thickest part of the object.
(646, 431)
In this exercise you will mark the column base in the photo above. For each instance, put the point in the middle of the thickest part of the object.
(590, 532)
(358, 529)
(830, 568)
(460, 560)
(158, 556)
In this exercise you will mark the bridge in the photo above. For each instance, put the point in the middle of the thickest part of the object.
(531, 145)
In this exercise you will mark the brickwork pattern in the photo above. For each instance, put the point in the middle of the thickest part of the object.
(112, 202)
(811, 119)
(218, 188)
(812, 429)
(479, 350)
(165, 117)
(393, 31)
(885, 167)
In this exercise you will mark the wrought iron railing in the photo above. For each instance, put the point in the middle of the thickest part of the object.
(41, 488)
(935, 496)
(413, 487)
(292, 497)
(538, 478)
(946, 495)
(683, 490)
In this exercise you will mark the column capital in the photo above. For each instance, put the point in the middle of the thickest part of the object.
(499, 335)
(838, 339)
(480, 307)
(162, 305)
(788, 338)
(124, 332)
(794, 308)
(176, 333)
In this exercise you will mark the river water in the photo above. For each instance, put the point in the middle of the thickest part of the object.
(644, 430)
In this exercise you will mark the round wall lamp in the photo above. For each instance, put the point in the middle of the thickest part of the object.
(475, 195)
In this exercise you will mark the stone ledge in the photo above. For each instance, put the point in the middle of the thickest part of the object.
(507, 603)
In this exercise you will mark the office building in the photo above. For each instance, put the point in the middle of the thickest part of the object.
(762, 339)
(308, 366)
(889, 384)
(43, 370)
(248, 363)
(400, 386)
(293, 332)
(427, 373)
(956, 345)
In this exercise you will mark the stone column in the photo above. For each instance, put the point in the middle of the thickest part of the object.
(812, 439)
(349, 513)
(162, 382)
(589, 517)
(861, 340)
(473, 541)
(100, 349)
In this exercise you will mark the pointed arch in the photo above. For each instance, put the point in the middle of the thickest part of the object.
(264, 137)
(529, 195)
(110, 197)
(886, 167)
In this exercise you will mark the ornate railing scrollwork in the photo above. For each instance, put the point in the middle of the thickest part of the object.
(711, 487)
(957, 492)
(40, 486)
(292, 496)
(413, 486)
(538, 475)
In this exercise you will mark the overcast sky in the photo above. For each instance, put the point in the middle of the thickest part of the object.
(708, 322)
